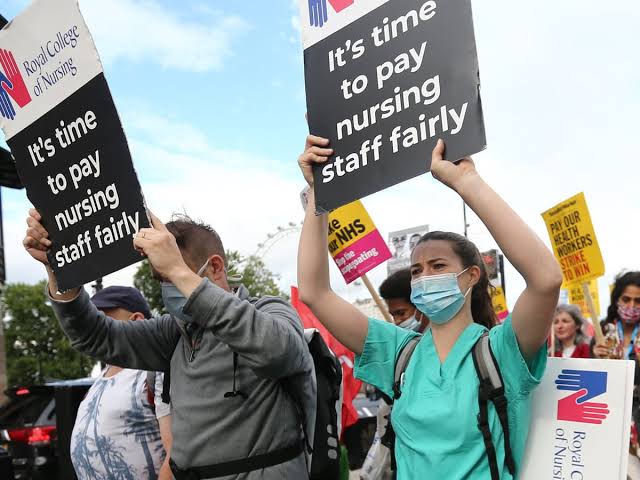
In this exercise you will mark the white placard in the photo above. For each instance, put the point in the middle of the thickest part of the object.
(580, 421)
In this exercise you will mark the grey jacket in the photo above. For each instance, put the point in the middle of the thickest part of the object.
(209, 428)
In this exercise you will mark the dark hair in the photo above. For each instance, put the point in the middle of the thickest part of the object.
(397, 285)
(197, 239)
(574, 312)
(481, 306)
(622, 281)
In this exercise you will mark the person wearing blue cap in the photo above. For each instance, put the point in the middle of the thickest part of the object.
(243, 390)
(122, 423)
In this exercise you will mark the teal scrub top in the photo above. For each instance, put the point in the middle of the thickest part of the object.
(435, 419)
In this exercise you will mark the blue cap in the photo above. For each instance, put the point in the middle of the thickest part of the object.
(122, 297)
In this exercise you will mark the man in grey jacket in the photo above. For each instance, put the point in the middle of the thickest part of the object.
(232, 358)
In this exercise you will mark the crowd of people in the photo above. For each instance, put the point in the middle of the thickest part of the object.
(232, 392)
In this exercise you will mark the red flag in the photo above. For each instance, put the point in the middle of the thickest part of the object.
(350, 386)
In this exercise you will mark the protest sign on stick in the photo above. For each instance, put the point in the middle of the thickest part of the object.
(597, 329)
(384, 80)
(357, 247)
(499, 302)
(576, 297)
(575, 245)
(65, 135)
(574, 241)
(376, 298)
(402, 243)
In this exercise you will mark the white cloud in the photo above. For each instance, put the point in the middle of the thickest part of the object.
(146, 31)
(560, 107)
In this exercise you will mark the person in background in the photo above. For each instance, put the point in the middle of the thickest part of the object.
(623, 317)
(122, 424)
(413, 241)
(396, 292)
(234, 359)
(622, 323)
(567, 326)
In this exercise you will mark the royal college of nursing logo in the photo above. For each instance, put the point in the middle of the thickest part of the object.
(12, 87)
(319, 13)
(576, 407)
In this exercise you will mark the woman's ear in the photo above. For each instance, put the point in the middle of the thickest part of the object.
(474, 275)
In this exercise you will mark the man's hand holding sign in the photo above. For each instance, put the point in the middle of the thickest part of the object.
(160, 247)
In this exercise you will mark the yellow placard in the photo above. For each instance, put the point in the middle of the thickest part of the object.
(347, 225)
(576, 297)
(499, 301)
(574, 240)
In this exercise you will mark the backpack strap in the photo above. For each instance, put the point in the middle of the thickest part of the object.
(491, 388)
(151, 388)
(166, 385)
(402, 362)
(401, 365)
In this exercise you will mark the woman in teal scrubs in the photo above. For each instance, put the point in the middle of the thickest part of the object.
(435, 419)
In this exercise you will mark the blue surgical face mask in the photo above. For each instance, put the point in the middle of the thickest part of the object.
(173, 299)
(410, 323)
(438, 296)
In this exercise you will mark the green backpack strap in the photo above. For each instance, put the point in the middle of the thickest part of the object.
(402, 362)
(491, 388)
(401, 365)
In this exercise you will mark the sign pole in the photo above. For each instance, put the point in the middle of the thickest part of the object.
(597, 329)
(552, 348)
(377, 299)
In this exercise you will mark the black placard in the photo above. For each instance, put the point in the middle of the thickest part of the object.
(76, 166)
(432, 93)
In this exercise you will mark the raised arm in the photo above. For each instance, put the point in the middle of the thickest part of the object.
(91, 331)
(343, 320)
(533, 313)
(139, 344)
(267, 334)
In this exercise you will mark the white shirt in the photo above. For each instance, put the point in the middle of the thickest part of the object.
(116, 434)
(568, 351)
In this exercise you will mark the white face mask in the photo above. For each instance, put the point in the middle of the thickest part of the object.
(410, 323)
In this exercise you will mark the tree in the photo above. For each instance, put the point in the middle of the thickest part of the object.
(252, 271)
(254, 275)
(149, 287)
(37, 348)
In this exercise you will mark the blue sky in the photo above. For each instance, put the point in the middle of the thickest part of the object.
(232, 89)
(211, 96)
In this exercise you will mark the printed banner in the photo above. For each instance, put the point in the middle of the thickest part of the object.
(402, 243)
(384, 80)
(574, 240)
(576, 297)
(499, 301)
(354, 242)
(581, 420)
(63, 129)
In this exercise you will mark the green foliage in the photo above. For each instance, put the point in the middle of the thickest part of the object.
(258, 279)
(149, 287)
(37, 348)
(254, 274)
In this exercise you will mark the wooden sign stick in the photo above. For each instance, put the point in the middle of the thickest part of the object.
(594, 317)
(374, 294)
